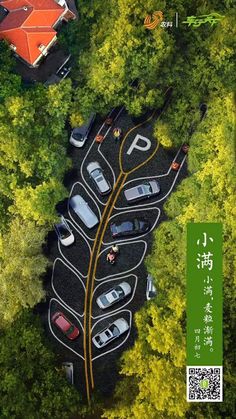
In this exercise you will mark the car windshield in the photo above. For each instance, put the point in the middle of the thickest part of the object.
(70, 330)
(114, 330)
(99, 340)
(104, 300)
(119, 291)
(64, 233)
(78, 137)
(96, 172)
(152, 294)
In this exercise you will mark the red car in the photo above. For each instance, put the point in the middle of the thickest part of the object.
(69, 329)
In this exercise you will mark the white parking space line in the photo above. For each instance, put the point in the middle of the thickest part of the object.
(123, 341)
(100, 145)
(50, 327)
(155, 177)
(84, 238)
(107, 162)
(64, 257)
(69, 212)
(130, 270)
(53, 287)
(139, 236)
(121, 279)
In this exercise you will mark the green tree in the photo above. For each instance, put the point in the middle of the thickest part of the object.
(22, 266)
(10, 83)
(39, 203)
(32, 384)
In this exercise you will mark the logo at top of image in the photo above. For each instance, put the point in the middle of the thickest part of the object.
(196, 21)
(151, 21)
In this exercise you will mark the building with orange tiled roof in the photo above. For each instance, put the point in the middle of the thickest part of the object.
(29, 26)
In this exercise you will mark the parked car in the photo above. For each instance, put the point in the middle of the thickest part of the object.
(142, 191)
(151, 291)
(69, 370)
(84, 212)
(63, 72)
(79, 135)
(96, 174)
(114, 295)
(130, 227)
(64, 232)
(111, 332)
(62, 323)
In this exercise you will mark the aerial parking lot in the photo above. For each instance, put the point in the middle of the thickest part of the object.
(81, 272)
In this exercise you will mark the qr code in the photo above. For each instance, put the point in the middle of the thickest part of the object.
(204, 384)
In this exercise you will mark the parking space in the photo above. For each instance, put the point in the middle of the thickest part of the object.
(76, 346)
(105, 322)
(130, 257)
(149, 215)
(81, 272)
(79, 250)
(68, 286)
(109, 284)
(79, 189)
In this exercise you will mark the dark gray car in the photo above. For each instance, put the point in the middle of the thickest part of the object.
(142, 191)
(96, 174)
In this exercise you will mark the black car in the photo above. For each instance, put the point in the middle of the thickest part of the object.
(130, 227)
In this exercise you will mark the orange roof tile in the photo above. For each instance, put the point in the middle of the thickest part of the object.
(29, 24)
(36, 4)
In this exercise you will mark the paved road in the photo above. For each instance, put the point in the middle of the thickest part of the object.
(80, 273)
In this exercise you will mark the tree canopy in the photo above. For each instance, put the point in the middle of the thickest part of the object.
(32, 385)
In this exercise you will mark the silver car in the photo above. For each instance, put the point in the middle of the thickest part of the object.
(84, 212)
(142, 191)
(79, 135)
(69, 371)
(114, 295)
(64, 232)
(151, 291)
(96, 174)
(111, 332)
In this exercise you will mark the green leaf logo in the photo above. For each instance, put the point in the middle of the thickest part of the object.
(204, 383)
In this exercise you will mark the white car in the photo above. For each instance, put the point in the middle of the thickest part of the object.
(64, 232)
(79, 135)
(96, 174)
(151, 290)
(84, 212)
(114, 295)
(111, 332)
(142, 191)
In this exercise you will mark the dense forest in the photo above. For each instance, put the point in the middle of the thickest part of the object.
(111, 48)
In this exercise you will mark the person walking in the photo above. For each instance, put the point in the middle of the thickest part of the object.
(111, 257)
(117, 133)
(115, 248)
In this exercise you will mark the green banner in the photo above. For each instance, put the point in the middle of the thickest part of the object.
(204, 294)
